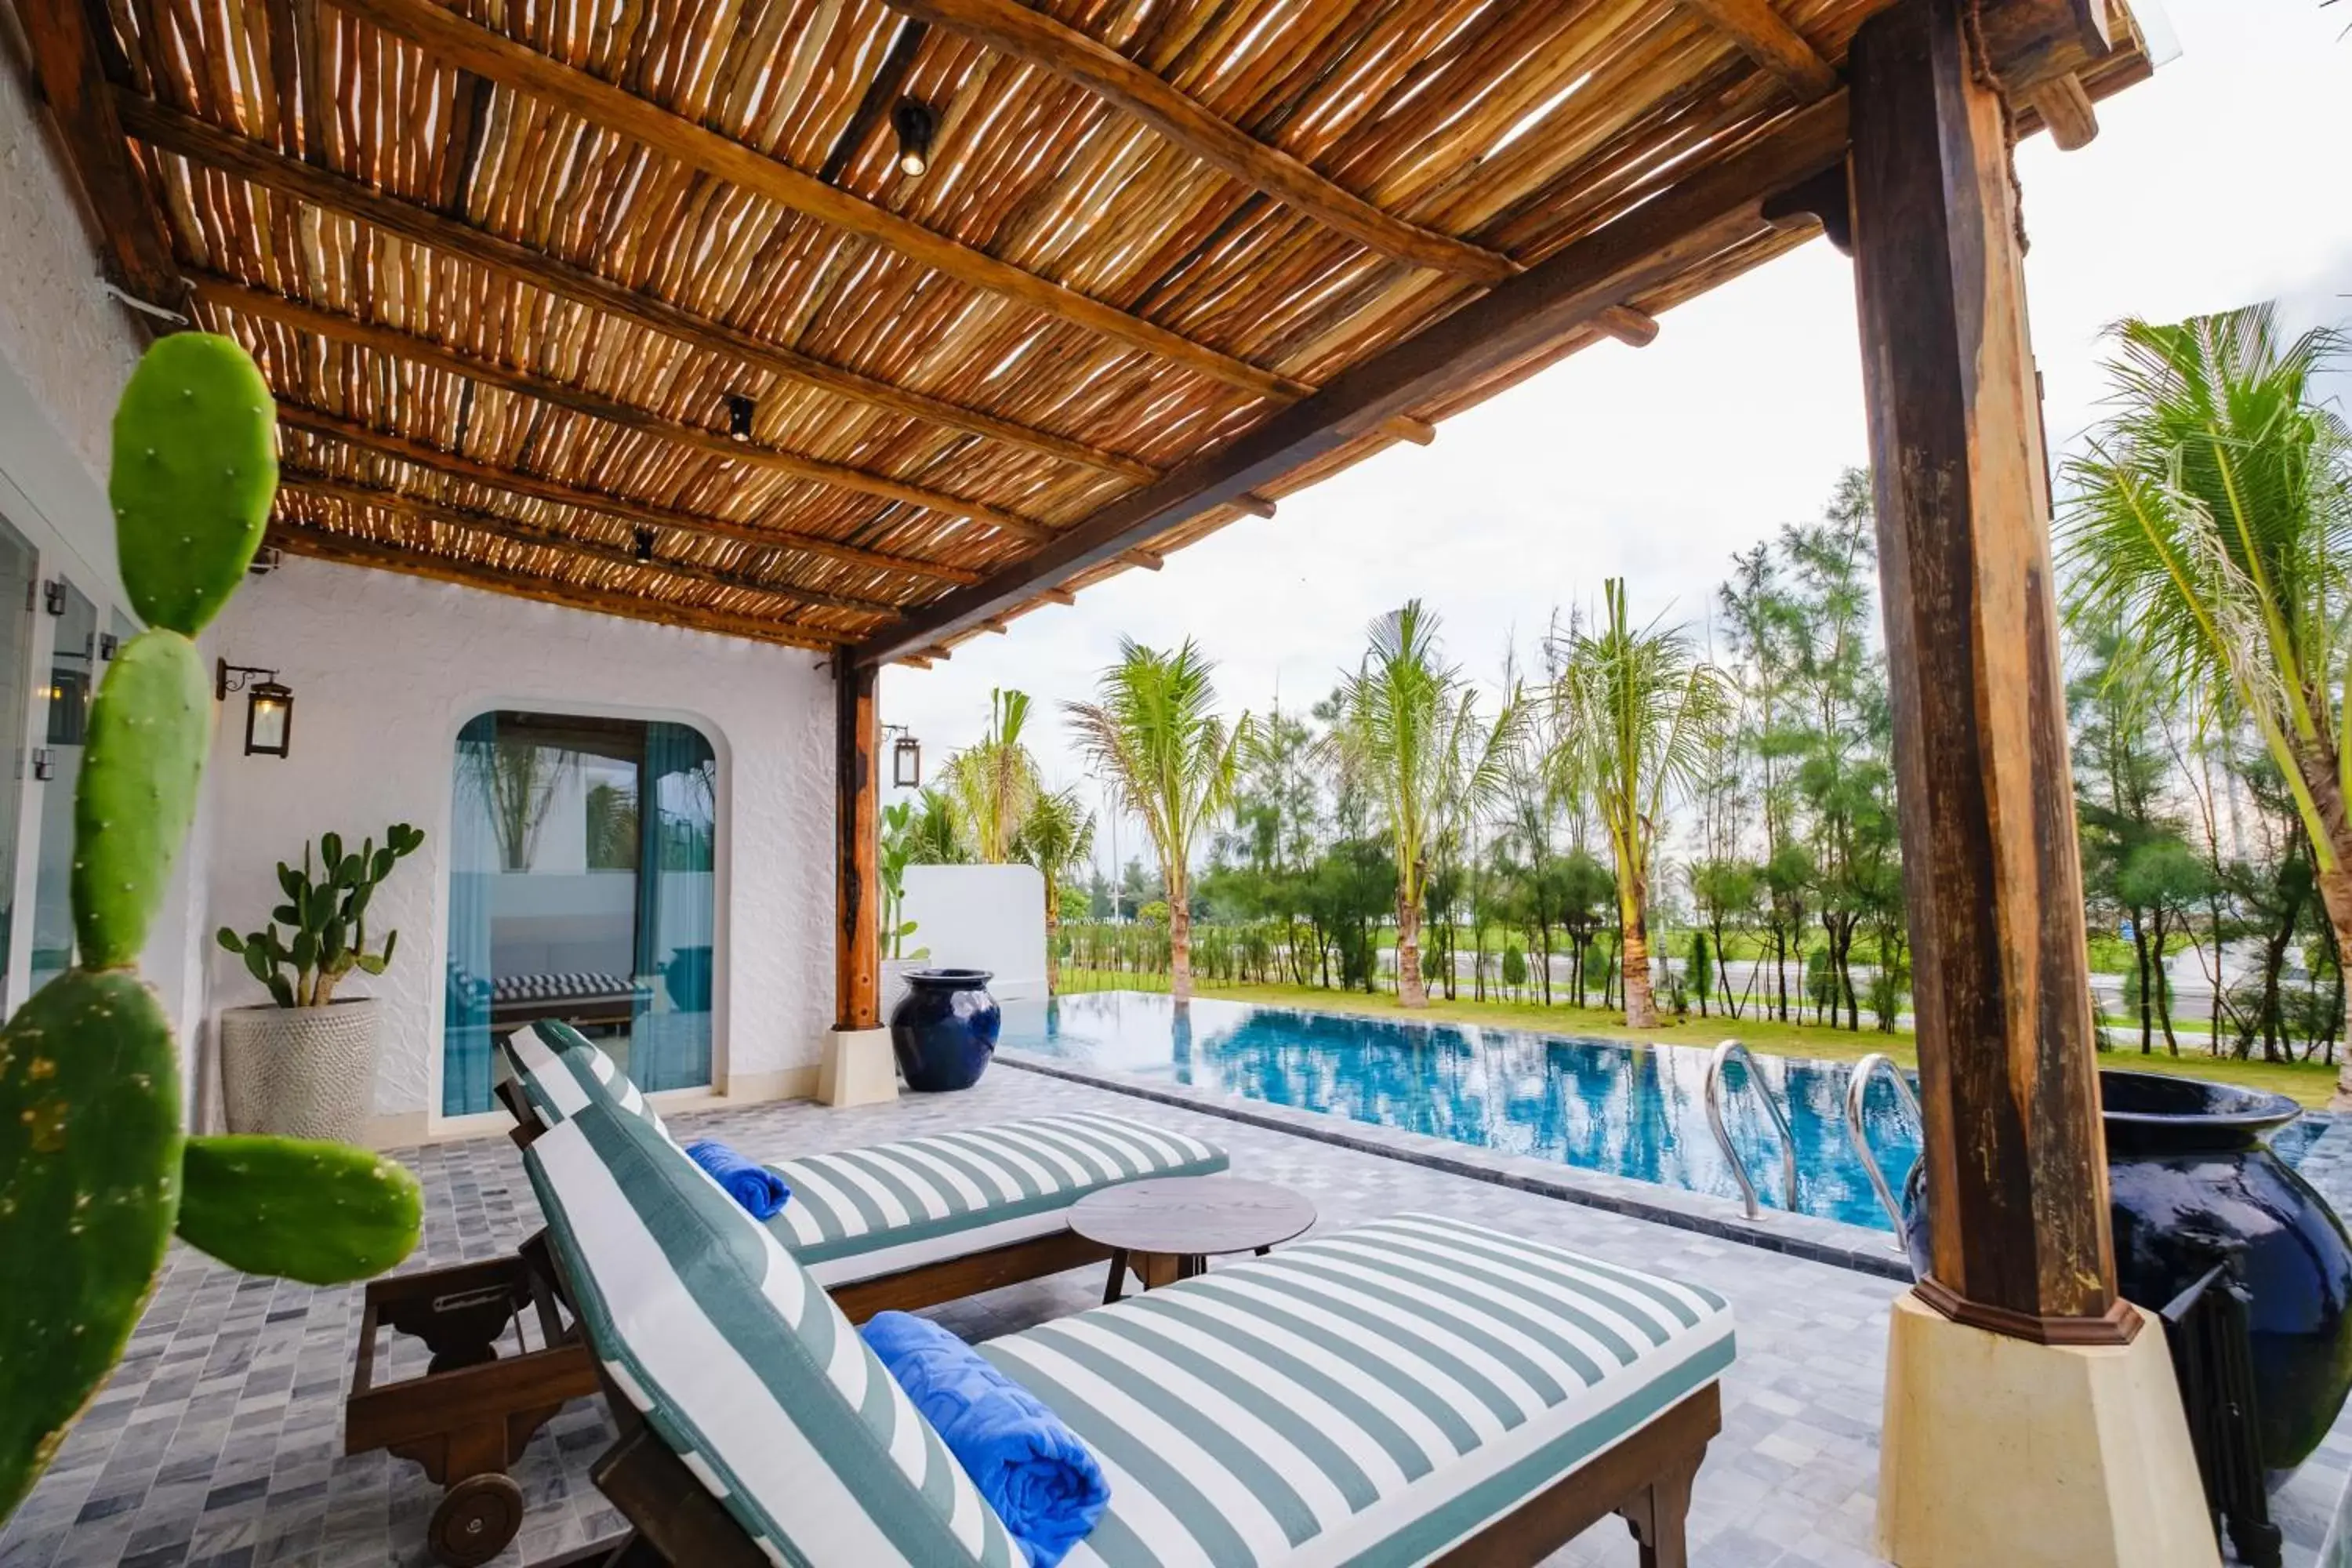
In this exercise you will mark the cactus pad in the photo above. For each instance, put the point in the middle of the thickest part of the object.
(196, 465)
(90, 1136)
(137, 793)
(320, 1213)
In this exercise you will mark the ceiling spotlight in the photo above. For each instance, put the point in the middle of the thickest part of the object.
(911, 117)
(645, 551)
(739, 409)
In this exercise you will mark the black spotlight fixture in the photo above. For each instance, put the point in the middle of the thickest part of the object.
(911, 117)
(645, 545)
(740, 410)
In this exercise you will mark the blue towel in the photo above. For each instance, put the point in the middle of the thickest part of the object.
(1032, 1469)
(756, 1187)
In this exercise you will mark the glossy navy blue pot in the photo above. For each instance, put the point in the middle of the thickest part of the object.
(944, 1029)
(2191, 1181)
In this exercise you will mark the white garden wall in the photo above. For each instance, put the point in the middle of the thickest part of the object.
(386, 669)
(982, 917)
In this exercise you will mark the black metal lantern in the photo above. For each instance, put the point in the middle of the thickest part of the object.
(907, 762)
(911, 118)
(268, 707)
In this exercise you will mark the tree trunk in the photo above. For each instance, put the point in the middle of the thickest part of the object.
(2147, 1002)
(1410, 992)
(1053, 940)
(1180, 941)
(1634, 953)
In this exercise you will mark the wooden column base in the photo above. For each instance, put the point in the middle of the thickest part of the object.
(2117, 1326)
(1995, 1450)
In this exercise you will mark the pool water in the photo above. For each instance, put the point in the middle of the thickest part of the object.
(1632, 1110)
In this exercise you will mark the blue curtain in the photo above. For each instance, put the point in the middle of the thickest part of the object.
(474, 866)
(669, 1038)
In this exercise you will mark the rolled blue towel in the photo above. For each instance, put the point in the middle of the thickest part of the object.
(1033, 1469)
(756, 1187)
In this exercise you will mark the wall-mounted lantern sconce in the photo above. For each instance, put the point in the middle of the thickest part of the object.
(911, 118)
(906, 759)
(268, 707)
(740, 410)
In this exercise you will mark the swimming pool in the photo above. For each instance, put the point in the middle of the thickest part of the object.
(1635, 1111)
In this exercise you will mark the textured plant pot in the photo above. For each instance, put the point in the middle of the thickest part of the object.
(943, 1030)
(300, 1072)
(2192, 1182)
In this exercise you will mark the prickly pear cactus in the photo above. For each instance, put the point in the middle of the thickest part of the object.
(296, 1208)
(95, 1172)
(137, 793)
(196, 465)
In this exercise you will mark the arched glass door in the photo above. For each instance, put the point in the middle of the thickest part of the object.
(581, 859)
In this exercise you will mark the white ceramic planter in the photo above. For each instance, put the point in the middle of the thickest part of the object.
(300, 1072)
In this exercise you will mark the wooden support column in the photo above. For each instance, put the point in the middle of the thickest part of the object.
(2016, 1162)
(858, 982)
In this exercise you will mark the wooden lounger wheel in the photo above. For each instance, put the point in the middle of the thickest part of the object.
(475, 1519)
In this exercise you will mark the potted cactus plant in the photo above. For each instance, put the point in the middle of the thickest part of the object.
(304, 1066)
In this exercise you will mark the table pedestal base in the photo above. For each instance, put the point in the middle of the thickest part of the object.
(1153, 1269)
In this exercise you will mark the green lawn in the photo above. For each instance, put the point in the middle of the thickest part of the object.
(2308, 1083)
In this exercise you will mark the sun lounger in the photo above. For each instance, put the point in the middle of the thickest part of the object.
(1420, 1390)
(892, 1225)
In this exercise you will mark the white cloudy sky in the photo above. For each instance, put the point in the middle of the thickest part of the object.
(2227, 179)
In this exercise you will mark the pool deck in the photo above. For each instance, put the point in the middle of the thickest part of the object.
(219, 1441)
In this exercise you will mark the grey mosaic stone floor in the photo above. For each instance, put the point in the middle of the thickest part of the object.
(219, 1440)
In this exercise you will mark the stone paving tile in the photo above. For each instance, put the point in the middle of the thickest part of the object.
(218, 1442)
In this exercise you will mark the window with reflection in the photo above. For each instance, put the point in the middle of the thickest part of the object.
(581, 853)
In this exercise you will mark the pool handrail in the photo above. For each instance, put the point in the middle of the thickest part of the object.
(1715, 1064)
(1857, 1089)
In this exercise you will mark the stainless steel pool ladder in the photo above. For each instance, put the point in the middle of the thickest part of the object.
(1857, 1089)
(1723, 1055)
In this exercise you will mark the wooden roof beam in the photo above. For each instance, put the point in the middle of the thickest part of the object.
(490, 54)
(297, 537)
(1707, 212)
(172, 131)
(636, 513)
(2065, 105)
(1012, 28)
(71, 71)
(229, 294)
(542, 536)
(1634, 329)
(1771, 43)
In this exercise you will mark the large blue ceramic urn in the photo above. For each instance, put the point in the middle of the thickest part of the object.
(2192, 1182)
(943, 1030)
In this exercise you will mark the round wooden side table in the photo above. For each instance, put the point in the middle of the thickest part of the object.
(1168, 1228)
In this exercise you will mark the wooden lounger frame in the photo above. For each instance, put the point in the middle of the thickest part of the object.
(470, 1415)
(1646, 1479)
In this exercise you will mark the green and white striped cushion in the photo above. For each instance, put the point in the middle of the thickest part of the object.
(1370, 1397)
(743, 1366)
(562, 1072)
(861, 1213)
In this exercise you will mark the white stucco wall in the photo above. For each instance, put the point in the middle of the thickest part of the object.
(386, 669)
(982, 917)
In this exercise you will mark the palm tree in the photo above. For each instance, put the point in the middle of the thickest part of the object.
(1640, 714)
(1153, 734)
(1409, 729)
(993, 783)
(1058, 837)
(2213, 512)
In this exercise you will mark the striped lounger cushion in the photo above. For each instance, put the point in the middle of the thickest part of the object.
(561, 1073)
(743, 1366)
(1369, 1397)
(863, 1212)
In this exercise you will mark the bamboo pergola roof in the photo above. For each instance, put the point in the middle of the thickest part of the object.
(507, 262)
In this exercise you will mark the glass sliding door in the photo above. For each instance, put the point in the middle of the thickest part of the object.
(19, 589)
(73, 681)
(581, 889)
